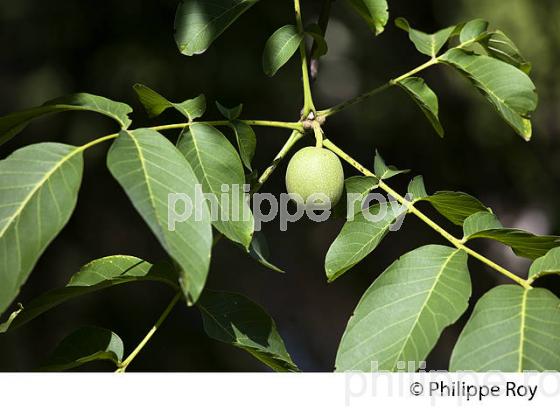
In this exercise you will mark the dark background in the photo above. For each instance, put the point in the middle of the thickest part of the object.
(59, 47)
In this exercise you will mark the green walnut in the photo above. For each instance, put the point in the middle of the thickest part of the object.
(314, 170)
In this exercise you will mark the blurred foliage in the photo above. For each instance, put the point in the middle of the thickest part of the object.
(59, 47)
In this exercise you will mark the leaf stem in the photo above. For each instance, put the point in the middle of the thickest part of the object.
(308, 105)
(125, 363)
(356, 100)
(294, 137)
(411, 208)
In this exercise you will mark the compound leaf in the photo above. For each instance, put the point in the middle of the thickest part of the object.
(198, 23)
(234, 319)
(39, 189)
(401, 316)
(511, 329)
(152, 171)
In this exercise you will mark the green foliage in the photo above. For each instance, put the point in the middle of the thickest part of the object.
(548, 264)
(198, 23)
(374, 12)
(85, 345)
(507, 88)
(425, 98)
(405, 310)
(149, 168)
(96, 275)
(39, 185)
(402, 314)
(155, 104)
(13, 124)
(280, 47)
(428, 44)
(511, 330)
(233, 319)
(215, 162)
(524, 244)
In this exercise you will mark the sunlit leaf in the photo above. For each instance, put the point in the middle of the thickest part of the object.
(152, 171)
(401, 316)
(155, 104)
(38, 192)
(233, 319)
(548, 264)
(374, 12)
(511, 329)
(500, 46)
(198, 23)
(96, 275)
(472, 30)
(428, 44)
(246, 141)
(507, 88)
(359, 237)
(524, 244)
(13, 124)
(279, 48)
(217, 164)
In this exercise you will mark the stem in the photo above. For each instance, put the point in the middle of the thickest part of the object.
(411, 208)
(308, 105)
(323, 22)
(339, 107)
(294, 137)
(318, 134)
(155, 327)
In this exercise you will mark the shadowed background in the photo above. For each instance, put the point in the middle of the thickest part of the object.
(58, 47)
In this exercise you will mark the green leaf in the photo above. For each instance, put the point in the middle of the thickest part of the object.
(360, 186)
(230, 113)
(374, 12)
(259, 251)
(428, 44)
(500, 46)
(511, 329)
(507, 88)
(455, 206)
(473, 30)
(549, 264)
(198, 22)
(417, 189)
(384, 171)
(320, 44)
(358, 238)
(279, 48)
(233, 319)
(524, 244)
(216, 163)
(38, 192)
(13, 124)
(155, 103)
(425, 98)
(246, 141)
(151, 171)
(92, 277)
(401, 316)
(87, 344)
